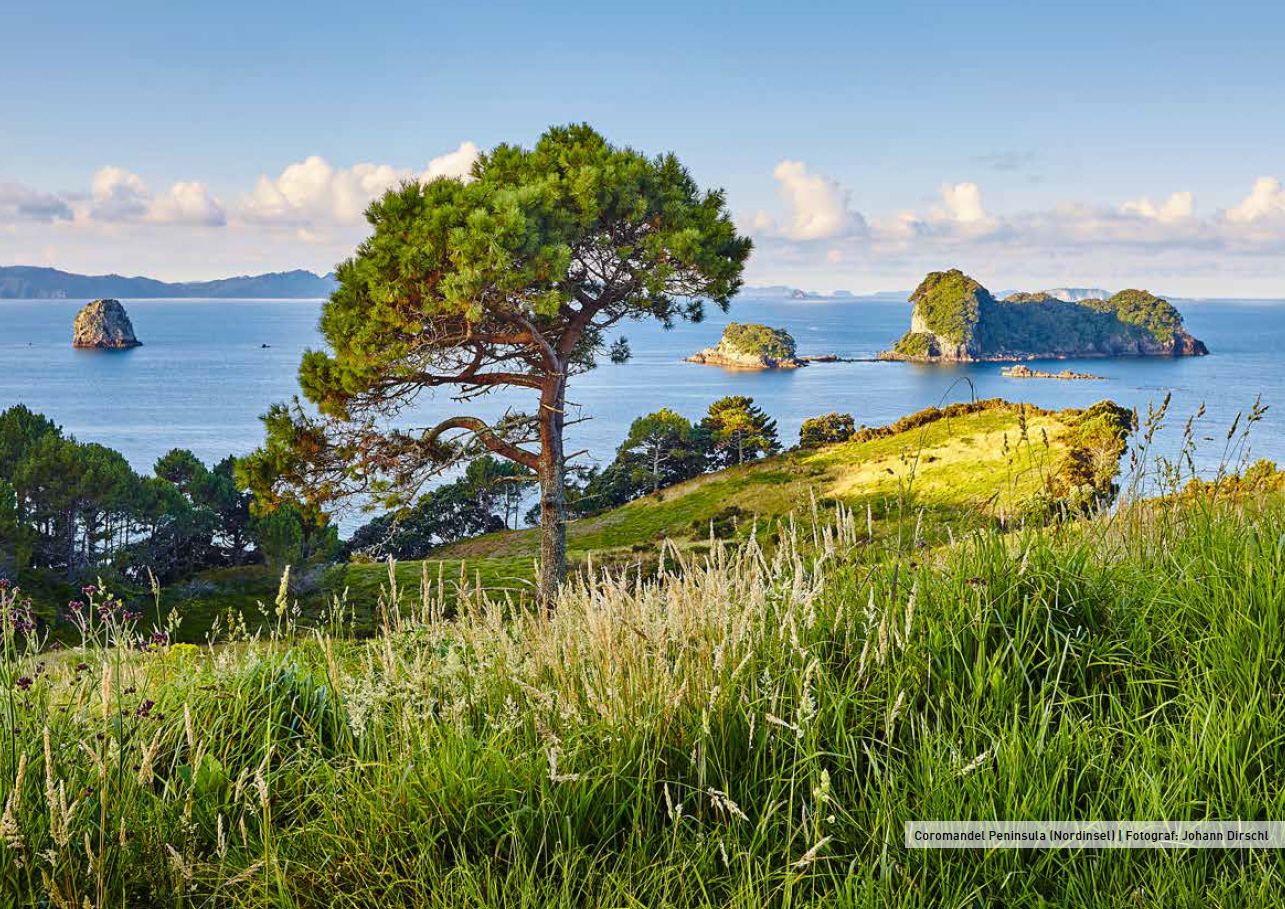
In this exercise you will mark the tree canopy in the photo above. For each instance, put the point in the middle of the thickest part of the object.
(511, 278)
(740, 430)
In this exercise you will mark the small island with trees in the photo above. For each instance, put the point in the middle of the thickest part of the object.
(755, 346)
(956, 319)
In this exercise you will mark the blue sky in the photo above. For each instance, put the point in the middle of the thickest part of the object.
(861, 144)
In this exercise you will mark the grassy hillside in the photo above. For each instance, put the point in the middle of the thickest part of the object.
(745, 729)
(966, 465)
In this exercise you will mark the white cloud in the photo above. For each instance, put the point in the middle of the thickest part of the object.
(458, 163)
(817, 206)
(1265, 199)
(313, 192)
(1178, 206)
(118, 195)
(187, 203)
(20, 203)
(963, 202)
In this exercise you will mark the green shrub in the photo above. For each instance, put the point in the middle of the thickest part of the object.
(826, 430)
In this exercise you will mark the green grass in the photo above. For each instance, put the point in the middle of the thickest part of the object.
(962, 471)
(967, 466)
(799, 705)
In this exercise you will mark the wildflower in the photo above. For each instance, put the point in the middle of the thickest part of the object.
(24, 683)
(75, 606)
(5, 583)
(89, 590)
(82, 667)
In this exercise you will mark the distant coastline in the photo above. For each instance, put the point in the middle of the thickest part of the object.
(23, 282)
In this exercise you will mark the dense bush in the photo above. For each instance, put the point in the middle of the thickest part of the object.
(78, 509)
(826, 429)
(949, 303)
(762, 340)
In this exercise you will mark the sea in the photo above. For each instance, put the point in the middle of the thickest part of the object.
(208, 368)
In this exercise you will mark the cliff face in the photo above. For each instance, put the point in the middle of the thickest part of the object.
(104, 325)
(955, 319)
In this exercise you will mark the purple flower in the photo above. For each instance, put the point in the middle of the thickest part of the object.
(24, 683)
(82, 667)
(5, 583)
(75, 605)
(89, 590)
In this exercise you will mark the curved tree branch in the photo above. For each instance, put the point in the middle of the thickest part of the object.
(487, 436)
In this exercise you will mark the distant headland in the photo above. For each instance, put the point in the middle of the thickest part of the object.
(22, 282)
(956, 319)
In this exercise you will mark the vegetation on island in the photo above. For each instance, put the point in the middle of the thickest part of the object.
(949, 304)
(954, 317)
(759, 340)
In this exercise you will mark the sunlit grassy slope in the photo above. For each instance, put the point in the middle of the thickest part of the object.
(963, 466)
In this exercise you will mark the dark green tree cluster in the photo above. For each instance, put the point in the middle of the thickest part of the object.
(453, 511)
(78, 508)
(664, 448)
(826, 429)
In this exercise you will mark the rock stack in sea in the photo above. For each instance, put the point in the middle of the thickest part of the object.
(104, 325)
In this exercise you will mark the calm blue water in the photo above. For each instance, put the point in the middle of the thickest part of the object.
(203, 376)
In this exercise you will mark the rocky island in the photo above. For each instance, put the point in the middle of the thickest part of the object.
(956, 319)
(104, 325)
(752, 346)
(1025, 372)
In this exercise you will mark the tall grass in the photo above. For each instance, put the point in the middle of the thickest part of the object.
(747, 728)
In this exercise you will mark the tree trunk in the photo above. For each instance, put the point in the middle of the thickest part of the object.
(553, 501)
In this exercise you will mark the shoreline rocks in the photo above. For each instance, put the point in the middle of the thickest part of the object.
(104, 325)
(1025, 372)
(735, 359)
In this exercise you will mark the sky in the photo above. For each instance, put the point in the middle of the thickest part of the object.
(860, 145)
